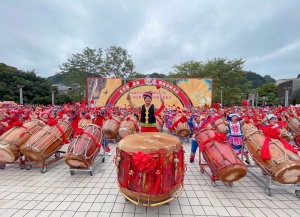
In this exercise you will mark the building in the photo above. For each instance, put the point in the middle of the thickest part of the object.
(292, 87)
(61, 88)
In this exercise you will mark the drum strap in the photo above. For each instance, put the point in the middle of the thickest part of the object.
(20, 124)
(220, 137)
(128, 119)
(180, 120)
(111, 118)
(64, 139)
(80, 131)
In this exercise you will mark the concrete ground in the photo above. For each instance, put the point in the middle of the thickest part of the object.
(58, 193)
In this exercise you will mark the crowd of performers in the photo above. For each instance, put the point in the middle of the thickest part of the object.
(196, 118)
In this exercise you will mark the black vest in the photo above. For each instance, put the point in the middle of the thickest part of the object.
(151, 116)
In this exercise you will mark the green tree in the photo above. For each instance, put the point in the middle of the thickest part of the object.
(269, 91)
(228, 75)
(118, 63)
(89, 62)
(36, 89)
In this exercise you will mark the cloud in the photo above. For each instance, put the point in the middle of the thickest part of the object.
(42, 35)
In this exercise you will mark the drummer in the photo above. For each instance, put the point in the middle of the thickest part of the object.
(148, 120)
(196, 125)
(235, 134)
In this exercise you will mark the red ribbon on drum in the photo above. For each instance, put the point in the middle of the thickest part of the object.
(80, 131)
(144, 162)
(128, 119)
(64, 139)
(20, 124)
(273, 133)
(111, 118)
(180, 120)
(220, 137)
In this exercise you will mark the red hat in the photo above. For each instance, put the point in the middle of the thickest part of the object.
(147, 94)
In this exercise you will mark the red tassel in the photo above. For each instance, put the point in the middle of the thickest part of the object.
(130, 84)
(158, 87)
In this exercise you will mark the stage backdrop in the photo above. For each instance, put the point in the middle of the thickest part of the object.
(171, 94)
(199, 90)
(100, 89)
(187, 91)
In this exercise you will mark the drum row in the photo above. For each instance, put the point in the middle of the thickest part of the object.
(37, 142)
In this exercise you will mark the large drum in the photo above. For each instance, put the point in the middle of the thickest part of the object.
(84, 122)
(284, 133)
(110, 127)
(150, 167)
(284, 165)
(46, 141)
(128, 126)
(13, 139)
(2, 128)
(181, 126)
(294, 125)
(220, 126)
(85, 147)
(220, 157)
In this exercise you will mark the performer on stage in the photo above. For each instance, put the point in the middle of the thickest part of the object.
(148, 120)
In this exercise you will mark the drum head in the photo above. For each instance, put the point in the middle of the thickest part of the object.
(150, 142)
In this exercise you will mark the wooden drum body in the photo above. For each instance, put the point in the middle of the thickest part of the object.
(284, 165)
(284, 133)
(46, 141)
(294, 125)
(220, 157)
(220, 126)
(296, 139)
(12, 140)
(182, 129)
(150, 167)
(110, 127)
(84, 148)
(2, 128)
(128, 126)
(84, 122)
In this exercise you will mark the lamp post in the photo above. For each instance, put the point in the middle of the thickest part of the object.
(256, 99)
(287, 89)
(52, 91)
(21, 93)
(263, 101)
(222, 97)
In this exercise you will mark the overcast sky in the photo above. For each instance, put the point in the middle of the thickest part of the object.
(158, 34)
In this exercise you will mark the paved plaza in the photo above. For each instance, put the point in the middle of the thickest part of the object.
(58, 193)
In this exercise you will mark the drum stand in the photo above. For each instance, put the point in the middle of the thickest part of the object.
(100, 157)
(211, 175)
(269, 183)
(148, 203)
(44, 163)
(20, 162)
